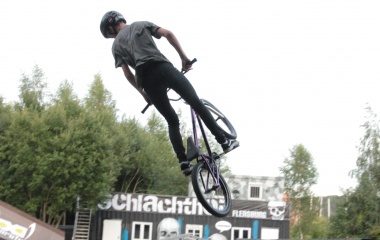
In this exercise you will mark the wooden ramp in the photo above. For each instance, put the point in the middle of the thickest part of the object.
(16, 224)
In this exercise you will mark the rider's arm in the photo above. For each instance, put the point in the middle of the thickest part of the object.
(131, 79)
(172, 39)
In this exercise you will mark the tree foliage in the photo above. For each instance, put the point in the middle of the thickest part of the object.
(32, 90)
(300, 175)
(152, 165)
(300, 172)
(52, 152)
(359, 215)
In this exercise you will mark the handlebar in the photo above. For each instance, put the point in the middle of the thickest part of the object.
(146, 108)
(149, 104)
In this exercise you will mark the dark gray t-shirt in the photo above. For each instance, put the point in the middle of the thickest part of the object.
(135, 46)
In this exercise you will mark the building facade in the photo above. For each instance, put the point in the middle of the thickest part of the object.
(256, 188)
(258, 212)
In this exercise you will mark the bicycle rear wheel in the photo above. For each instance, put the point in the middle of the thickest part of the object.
(221, 120)
(216, 201)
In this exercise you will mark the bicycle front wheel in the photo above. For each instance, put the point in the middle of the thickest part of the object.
(221, 120)
(214, 197)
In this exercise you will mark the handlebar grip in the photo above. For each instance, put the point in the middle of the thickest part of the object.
(146, 108)
(189, 63)
(193, 61)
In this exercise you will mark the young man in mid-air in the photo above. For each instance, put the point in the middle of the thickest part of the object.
(134, 47)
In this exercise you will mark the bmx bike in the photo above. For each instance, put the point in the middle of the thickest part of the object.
(208, 183)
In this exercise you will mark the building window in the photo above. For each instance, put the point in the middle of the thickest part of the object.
(195, 230)
(237, 233)
(255, 191)
(270, 233)
(141, 231)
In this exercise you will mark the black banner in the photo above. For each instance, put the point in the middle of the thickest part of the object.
(274, 210)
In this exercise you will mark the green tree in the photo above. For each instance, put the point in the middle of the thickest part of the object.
(300, 175)
(5, 116)
(319, 228)
(359, 215)
(52, 152)
(62, 151)
(33, 89)
(153, 167)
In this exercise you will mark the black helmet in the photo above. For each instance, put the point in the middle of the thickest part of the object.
(110, 19)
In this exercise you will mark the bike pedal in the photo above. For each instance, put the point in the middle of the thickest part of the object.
(215, 155)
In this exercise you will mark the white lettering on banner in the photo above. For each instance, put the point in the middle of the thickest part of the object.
(15, 231)
(152, 205)
(160, 207)
(169, 204)
(249, 214)
(141, 203)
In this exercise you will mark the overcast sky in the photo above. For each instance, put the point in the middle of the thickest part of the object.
(284, 72)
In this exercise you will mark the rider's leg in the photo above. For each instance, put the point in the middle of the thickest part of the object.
(156, 89)
(158, 95)
(179, 83)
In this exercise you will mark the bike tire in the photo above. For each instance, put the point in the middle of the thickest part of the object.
(217, 202)
(222, 121)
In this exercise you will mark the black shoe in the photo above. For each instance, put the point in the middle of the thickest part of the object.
(186, 167)
(230, 145)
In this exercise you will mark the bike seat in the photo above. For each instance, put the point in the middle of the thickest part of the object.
(192, 150)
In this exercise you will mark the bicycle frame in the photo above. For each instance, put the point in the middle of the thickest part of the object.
(209, 159)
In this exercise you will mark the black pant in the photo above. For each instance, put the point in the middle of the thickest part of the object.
(155, 80)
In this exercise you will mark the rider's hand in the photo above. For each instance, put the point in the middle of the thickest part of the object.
(147, 99)
(186, 65)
